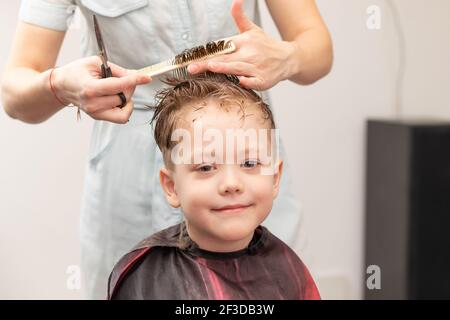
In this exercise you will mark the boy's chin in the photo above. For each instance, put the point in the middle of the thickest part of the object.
(235, 232)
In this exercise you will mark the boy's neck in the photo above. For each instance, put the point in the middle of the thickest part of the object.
(209, 243)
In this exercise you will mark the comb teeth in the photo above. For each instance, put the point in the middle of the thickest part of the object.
(180, 73)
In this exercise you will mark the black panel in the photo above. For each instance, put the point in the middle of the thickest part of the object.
(408, 208)
(430, 213)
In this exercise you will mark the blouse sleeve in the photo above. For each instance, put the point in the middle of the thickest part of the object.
(50, 14)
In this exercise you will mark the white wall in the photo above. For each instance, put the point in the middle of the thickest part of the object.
(41, 177)
(323, 127)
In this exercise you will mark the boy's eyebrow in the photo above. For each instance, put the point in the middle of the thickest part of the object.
(250, 150)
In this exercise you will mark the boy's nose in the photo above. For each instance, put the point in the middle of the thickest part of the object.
(231, 183)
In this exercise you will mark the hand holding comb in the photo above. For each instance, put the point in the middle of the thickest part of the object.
(178, 64)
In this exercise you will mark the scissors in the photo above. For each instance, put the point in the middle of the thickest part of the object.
(106, 70)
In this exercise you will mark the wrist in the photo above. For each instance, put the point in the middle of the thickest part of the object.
(55, 82)
(293, 64)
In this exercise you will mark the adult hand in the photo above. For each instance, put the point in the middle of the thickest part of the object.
(259, 61)
(80, 83)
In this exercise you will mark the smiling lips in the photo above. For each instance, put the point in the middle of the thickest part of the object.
(232, 208)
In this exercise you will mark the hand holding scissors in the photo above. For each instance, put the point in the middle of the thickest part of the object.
(106, 70)
(102, 89)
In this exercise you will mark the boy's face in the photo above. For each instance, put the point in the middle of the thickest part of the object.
(224, 197)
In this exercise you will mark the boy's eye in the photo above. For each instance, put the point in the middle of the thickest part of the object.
(250, 163)
(205, 168)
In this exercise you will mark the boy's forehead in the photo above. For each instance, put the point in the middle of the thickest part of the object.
(222, 115)
(222, 132)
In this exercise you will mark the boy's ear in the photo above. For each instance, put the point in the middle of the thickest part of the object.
(277, 178)
(168, 185)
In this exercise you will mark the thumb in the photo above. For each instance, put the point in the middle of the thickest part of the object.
(138, 78)
(240, 18)
(141, 78)
(119, 72)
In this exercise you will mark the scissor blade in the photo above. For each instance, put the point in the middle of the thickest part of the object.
(98, 36)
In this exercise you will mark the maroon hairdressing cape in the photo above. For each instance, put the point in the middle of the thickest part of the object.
(158, 269)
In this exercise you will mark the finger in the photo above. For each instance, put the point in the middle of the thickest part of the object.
(251, 83)
(236, 68)
(103, 103)
(112, 86)
(202, 66)
(115, 115)
(240, 18)
(118, 71)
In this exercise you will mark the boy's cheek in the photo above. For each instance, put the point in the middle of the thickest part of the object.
(195, 194)
(264, 189)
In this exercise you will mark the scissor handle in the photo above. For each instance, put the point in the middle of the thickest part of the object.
(106, 72)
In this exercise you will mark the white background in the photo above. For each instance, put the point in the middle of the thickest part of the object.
(323, 128)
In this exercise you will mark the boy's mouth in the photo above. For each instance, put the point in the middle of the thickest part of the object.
(232, 208)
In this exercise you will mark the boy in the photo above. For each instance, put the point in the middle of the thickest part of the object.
(225, 188)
